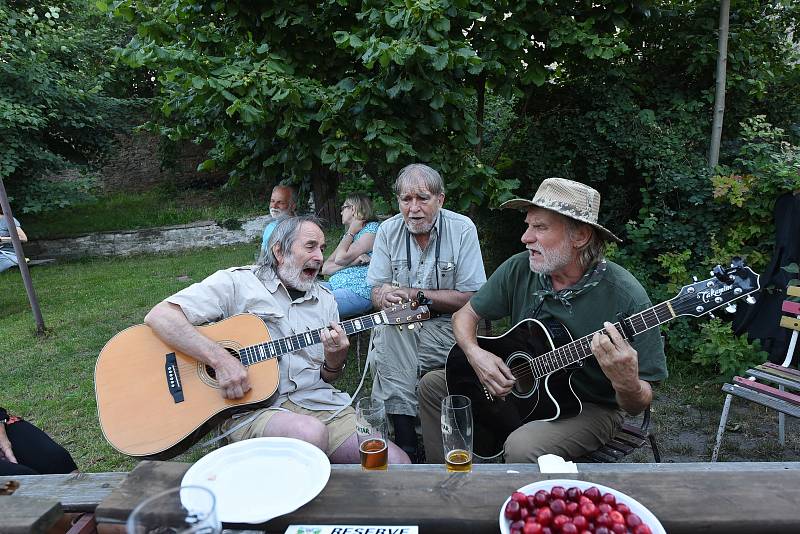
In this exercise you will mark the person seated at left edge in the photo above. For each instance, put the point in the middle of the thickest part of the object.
(282, 289)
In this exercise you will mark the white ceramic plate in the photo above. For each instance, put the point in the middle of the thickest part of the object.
(636, 507)
(257, 479)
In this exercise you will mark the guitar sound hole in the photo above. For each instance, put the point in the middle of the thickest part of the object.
(520, 364)
(210, 370)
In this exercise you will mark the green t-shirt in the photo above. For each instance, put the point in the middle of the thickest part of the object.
(509, 292)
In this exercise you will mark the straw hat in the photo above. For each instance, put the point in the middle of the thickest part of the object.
(571, 199)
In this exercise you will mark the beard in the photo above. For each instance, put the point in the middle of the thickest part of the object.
(275, 212)
(299, 277)
(550, 260)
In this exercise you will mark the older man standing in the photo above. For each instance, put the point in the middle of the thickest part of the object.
(284, 292)
(425, 247)
(562, 276)
(282, 203)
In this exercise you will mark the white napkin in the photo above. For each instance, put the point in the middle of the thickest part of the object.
(552, 463)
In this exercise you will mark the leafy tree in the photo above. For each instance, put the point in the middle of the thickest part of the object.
(55, 107)
(332, 88)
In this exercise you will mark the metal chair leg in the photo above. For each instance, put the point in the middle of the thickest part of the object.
(722, 421)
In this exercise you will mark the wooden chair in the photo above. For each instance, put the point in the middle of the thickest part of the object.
(760, 384)
(630, 437)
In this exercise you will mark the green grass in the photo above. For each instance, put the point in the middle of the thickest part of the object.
(157, 207)
(49, 379)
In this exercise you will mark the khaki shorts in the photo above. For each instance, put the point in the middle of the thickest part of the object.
(340, 427)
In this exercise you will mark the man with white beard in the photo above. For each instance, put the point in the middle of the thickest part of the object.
(282, 203)
(561, 277)
(282, 289)
(429, 248)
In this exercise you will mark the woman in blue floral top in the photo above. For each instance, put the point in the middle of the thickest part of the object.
(347, 265)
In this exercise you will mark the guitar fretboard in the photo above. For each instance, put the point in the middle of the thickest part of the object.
(271, 349)
(580, 349)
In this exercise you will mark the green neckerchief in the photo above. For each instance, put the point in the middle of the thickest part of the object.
(589, 280)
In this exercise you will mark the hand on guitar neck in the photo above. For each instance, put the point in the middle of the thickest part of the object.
(620, 363)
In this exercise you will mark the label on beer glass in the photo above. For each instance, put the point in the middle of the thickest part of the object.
(365, 430)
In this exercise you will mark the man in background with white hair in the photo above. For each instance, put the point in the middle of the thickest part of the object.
(423, 248)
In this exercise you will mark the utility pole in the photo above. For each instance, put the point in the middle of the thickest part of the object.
(719, 93)
(23, 266)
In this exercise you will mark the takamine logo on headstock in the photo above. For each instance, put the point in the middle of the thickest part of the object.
(725, 286)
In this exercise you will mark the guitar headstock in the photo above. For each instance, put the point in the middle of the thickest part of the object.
(409, 311)
(723, 288)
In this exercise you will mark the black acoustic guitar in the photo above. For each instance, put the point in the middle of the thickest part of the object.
(542, 355)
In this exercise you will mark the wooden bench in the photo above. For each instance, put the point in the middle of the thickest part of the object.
(767, 384)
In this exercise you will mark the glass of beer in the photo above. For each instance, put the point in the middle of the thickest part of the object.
(457, 433)
(371, 429)
(184, 510)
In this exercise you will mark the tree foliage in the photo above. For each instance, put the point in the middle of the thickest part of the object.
(288, 89)
(56, 105)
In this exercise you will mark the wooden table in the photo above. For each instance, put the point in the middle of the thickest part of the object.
(694, 497)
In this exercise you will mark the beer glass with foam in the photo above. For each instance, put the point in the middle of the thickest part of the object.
(457, 433)
(371, 428)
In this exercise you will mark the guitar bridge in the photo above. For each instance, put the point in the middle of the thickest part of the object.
(173, 376)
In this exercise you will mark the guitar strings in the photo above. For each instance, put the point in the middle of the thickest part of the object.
(544, 361)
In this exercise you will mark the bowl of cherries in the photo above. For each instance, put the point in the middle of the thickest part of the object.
(575, 507)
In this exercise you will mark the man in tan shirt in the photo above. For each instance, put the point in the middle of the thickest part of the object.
(283, 291)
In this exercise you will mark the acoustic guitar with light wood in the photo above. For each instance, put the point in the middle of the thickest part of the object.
(155, 402)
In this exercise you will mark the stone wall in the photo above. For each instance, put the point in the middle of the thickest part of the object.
(164, 239)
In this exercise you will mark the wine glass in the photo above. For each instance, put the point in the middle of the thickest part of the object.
(184, 510)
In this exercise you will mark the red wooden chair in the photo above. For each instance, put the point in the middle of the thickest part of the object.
(760, 384)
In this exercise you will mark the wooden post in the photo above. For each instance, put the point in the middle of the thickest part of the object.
(23, 266)
(719, 94)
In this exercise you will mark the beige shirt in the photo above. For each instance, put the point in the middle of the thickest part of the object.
(239, 290)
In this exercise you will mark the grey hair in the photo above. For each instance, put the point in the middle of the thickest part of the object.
(284, 235)
(594, 249)
(419, 173)
(292, 192)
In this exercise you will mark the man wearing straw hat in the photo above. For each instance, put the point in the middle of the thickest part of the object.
(562, 276)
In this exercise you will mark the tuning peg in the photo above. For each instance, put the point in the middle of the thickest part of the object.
(750, 299)
(694, 278)
(730, 308)
(411, 326)
(712, 316)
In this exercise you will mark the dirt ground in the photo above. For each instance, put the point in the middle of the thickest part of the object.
(686, 429)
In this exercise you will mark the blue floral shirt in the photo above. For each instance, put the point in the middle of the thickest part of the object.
(354, 277)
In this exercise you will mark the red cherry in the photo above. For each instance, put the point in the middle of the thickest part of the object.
(623, 508)
(593, 493)
(589, 511)
(642, 529)
(559, 521)
(524, 513)
(512, 510)
(604, 508)
(619, 528)
(584, 499)
(558, 506)
(531, 502)
(532, 528)
(518, 525)
(558, 492)
(541, 498)
(603, 521)
(569, 528)
(544, 516)
(547, 530)
(516, 531)
(610, 499)
(572, 508)
(633, 520)
(580, 522)
(574, 494)
(519, 497)
(616, 517)
(602, 530)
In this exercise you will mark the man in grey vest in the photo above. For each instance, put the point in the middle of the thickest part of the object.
(423, 248)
